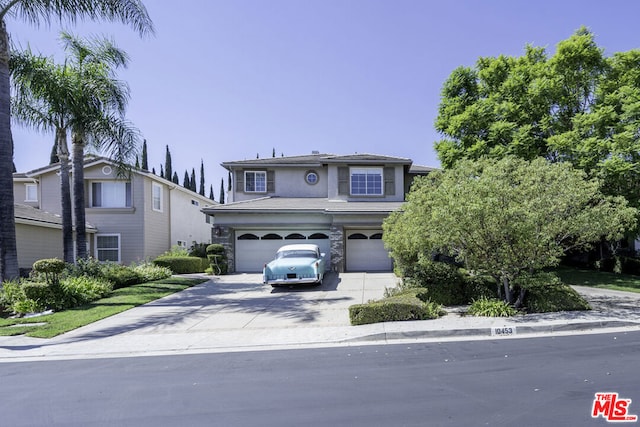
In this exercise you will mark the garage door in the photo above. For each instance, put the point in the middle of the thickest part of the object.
(366, 252)
(255, 248)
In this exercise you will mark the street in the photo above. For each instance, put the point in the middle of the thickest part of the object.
(524, 382)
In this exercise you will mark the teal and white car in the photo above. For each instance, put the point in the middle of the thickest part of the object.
(295, 264)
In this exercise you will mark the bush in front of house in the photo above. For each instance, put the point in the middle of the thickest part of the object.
(491, 307)
(405, 305)
(217, 259)
(546, 293)
(84, 289)
(120, 275)
(182, 264)
(149, 272)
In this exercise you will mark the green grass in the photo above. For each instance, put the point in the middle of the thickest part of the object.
(120, 300)
(599, 279)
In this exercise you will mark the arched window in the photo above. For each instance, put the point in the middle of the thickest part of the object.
(248, 236)
(318, 236)
(357, 236)
(377, 236)
(295, 236)
(272, 236)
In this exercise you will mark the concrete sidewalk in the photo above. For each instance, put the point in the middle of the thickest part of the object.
(238, 313)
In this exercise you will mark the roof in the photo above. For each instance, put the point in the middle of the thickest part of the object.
(92, 160)
(417, 169)
(29, 215)
(302, 204)
(317, 159)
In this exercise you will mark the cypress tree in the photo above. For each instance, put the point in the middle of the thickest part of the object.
(186, 182)
(211, 192)
(228, 181)
(144, 164)
(222, 191)
(167, 164)
(137, 163)
(201, 177)
(161, 172)
(175, 179)
(192, 183)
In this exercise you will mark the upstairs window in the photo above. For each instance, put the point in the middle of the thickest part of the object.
(110, 194)
(366, 181)
(156, 197)
(255, 182)
(31, 193)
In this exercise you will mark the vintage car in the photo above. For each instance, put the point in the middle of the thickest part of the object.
(295, 264)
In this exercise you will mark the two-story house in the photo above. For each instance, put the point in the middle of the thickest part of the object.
(337, 202)
(131, 218)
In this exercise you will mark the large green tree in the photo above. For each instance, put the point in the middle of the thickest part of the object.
(130, 12)
(576, 105)
(505, 218)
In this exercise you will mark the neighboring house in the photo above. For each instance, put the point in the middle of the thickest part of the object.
(336, 202)
(132, 218)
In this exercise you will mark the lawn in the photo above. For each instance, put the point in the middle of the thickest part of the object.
(599, 279)
(120, 300)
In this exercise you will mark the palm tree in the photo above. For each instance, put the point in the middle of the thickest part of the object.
(130, 12)
(97, 103)
(40, 102)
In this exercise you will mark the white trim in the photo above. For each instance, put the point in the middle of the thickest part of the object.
(366, 171)
(26, 189)
(158, 187)
(255, 181)
(97, 251)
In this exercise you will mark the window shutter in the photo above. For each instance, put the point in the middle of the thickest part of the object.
(271, 182)
(389, 181)
(240, 181)
(343, 180)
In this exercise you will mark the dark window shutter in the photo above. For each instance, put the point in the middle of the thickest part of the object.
(389, 181)
(343, 180)
(240, 181)
(271, 182)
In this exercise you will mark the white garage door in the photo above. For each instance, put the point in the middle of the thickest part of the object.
(254, 248)
(366, 252)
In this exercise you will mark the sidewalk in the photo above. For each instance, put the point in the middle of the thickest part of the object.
(238, 313)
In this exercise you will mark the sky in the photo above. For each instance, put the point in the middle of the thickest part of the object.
(226, 80)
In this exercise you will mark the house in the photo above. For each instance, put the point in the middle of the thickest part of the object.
(335, 201)
(131, 218)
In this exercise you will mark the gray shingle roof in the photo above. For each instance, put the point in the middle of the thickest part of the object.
(317, 160)
(301, 204)
(28, 214)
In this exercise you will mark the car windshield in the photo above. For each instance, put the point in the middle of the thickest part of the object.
(296, 254)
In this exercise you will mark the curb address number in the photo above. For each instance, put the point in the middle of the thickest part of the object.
(503, 331)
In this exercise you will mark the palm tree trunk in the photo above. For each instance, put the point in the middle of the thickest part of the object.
(65, 193)
(78, 196)
(8, 248)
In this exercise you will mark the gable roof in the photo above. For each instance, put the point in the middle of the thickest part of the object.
(317, 159)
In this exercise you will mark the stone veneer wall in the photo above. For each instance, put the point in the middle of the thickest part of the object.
(225, 237)
(336, 237)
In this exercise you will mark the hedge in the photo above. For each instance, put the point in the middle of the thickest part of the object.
(182, 264)
(405, 306)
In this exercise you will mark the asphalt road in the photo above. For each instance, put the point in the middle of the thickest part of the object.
(523, 382)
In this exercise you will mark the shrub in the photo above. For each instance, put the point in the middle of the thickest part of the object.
(444, 282)
(198, 250)
(41, 296)
(51, 268)
(182, 264)
(631, 266)
(546, 293)
(491, 308)
(121, 276)
(15, 300)
(83, 289)
(403, 306)
(177, 251)
(150, 272)
(215, 249)
(85, 267)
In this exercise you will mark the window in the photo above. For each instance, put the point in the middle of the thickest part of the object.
(311, 177)
(255, 182)
(110, 194)
(366, 181)
(156, 197)
(108, 247)
(31, 193)
(195, 202)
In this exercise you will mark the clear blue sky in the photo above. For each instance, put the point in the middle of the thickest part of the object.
(225, 80)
